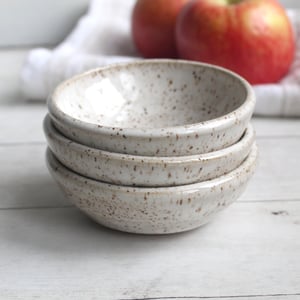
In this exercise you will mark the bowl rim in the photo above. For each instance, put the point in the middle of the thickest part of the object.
(204, 127)
(248, 138)
(245, 169)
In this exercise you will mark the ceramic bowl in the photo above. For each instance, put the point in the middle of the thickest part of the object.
(154, 108)
(152, 171)
(152, 210)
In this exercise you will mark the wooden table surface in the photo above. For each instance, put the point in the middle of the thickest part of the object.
(50, 250)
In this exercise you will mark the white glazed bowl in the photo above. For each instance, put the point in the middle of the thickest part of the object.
(152, 210)
(154, 108)
(152, 171)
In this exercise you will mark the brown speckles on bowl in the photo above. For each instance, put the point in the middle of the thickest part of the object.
(144, 170)
(153, 146)
(132, 107)
(152, 210)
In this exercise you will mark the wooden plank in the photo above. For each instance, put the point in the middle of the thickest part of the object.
(22, 119)
(25, 181)
(244, 297)
(276, 127)
(250, 249)
(79, 296)
(82, 295)
(22, 123)
(256, 297)
(277, 176)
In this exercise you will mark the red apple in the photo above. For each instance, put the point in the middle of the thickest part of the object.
(251, 37)
(153, 27)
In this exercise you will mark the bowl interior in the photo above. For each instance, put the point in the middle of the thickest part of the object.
(152, 94)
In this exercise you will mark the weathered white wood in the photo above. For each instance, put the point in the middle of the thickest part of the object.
(20, 120)
(256, 297)
(13, 105)
(276, 127)
(250, 249)
(250, 297)
(22, 123)
(277, 176)
(82, 295)
(24, 179)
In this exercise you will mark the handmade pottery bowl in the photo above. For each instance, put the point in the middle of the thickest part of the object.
(152, 171)
(152, 210)
(154, 108)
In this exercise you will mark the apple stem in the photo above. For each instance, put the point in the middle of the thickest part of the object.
(227, 2)
(234, 1)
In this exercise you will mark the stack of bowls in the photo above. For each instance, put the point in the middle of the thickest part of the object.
(153, 146)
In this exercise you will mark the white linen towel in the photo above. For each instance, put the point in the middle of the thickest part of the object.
(103, 37)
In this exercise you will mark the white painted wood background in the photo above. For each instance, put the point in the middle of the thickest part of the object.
(50, 250)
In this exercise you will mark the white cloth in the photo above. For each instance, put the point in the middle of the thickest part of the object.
(103, 36)
(283, 98)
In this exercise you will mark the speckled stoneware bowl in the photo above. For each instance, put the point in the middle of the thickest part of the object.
(152, 171)
(152, 210)
(154, 108)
